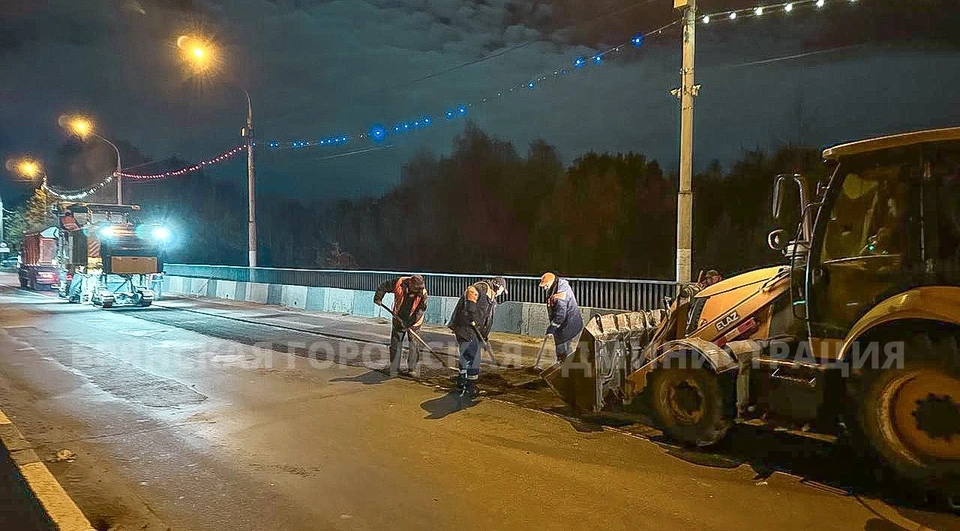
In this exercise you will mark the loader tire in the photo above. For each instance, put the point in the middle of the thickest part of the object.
(690, 405)
(910, 415)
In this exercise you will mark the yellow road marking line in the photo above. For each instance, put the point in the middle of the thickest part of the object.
(62, 510)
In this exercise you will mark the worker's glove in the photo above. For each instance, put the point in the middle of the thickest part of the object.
(551, 330)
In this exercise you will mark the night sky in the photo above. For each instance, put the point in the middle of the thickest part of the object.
(317, 68)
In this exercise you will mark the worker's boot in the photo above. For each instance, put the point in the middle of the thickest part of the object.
(462, 381)
(471, 389)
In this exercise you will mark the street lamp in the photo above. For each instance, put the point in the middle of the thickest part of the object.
(83, 127)
(28, 169)
(201, 55)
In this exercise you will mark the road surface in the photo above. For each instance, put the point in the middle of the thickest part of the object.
(177, 422)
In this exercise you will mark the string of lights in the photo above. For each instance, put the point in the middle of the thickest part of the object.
(769, 9)
(74, 195)
(187, 169)
(379, 132)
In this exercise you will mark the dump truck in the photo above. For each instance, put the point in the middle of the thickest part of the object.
(108, 256)
(38, 268)
(857, 334)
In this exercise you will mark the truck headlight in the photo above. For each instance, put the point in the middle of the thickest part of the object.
(161, 234)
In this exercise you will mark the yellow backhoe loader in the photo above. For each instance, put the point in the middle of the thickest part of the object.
(858, 333)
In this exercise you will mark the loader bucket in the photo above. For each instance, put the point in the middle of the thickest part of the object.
(610, 348)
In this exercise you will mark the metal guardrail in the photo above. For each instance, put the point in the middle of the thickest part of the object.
(619, 294)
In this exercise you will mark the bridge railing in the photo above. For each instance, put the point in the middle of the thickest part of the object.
(620, 294)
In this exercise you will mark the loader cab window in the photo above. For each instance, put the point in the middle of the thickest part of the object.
(866, 230)
(867, 218)
(945, 243)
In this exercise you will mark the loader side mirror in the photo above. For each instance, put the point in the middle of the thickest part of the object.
(778, 240)
(778, 197)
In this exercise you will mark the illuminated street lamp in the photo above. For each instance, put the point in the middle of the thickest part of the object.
(201, 56)
(28, 169)
(83, 127)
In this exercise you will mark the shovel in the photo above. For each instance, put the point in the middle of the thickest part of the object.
(486, 346)
(415, 335)
(536, 365)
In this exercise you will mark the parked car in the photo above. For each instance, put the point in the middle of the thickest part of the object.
(10, 262)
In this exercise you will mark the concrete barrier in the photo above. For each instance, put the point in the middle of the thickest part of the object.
(257, 292)
(512, 317)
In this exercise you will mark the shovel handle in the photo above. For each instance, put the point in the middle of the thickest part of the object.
(540, 352)
(414, 334)
(395, 317)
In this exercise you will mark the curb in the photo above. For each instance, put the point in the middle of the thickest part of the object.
(55, 501)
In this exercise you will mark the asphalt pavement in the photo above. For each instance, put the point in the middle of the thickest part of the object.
(197, 415)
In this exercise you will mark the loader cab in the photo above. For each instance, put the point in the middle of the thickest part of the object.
(888, 221)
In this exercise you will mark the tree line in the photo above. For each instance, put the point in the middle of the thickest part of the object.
(484, 208)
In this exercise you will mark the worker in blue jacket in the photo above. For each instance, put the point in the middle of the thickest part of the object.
(566, 323)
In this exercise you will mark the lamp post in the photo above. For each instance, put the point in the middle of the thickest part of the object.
(201, 55)
(83, 127)
(251, 190)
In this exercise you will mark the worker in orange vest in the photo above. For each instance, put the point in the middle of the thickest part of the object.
(409, 305)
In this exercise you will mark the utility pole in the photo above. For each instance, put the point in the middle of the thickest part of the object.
(251, 189)
(686, 93)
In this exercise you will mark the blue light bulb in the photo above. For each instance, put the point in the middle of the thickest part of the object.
(578, 62)
(597, 59)
(461, 110)
(426, 120)
(531, 85)
(637, 40)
